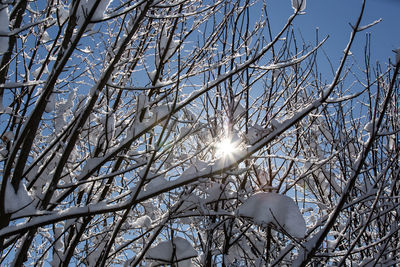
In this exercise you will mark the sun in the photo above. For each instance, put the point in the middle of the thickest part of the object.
(226, 147)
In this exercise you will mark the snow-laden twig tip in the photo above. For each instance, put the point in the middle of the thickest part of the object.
(299, 5)
(369, 25)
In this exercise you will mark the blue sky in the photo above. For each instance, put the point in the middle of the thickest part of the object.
(333, 17)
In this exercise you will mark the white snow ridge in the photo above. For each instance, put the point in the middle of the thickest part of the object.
(279, 210)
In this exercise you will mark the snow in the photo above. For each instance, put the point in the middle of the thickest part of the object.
(51, 103)
(326, 133)
(184, 131)
(185, 263)
(198, 165)
(275, 124)
(215, 192)
(62, 13)
(85, 7)
(45, 37)
(142, 222)
(369, 127)
(189, 115)
(155, 183)
(276, 73)
(397, 51)
(239, 111)
(171, 49)
(173, 45)
(8, 136)
(58, 245)
(96, 253)
(161, 111)
(191, 201)
(164, 251)
(256, 133)
(36, 72)
(18, 203)
(91, 163)
(272, 208)
(152, 75)
(19, 84)
(262, 177)
(163, 39)
(391, 145)
(253, 135)
(299, 5)
(6, 110)
(61, 215)
(3, 153)
(367, 262)
(4, 28)
(110, 126)
(141, 103)
(101, 8)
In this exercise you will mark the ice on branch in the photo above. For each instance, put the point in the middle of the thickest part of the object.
(4, 30)
(172, 251)
(276, 209)
(299, 5)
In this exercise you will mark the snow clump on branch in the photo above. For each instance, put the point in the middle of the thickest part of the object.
(276, 209)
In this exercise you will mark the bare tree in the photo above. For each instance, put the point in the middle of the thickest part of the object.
(186, 133)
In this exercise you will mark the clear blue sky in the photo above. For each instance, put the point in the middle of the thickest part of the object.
(333, 17)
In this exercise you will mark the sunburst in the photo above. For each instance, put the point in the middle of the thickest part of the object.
(226, 147)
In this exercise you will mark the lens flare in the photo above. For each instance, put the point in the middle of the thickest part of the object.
(226, 147)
